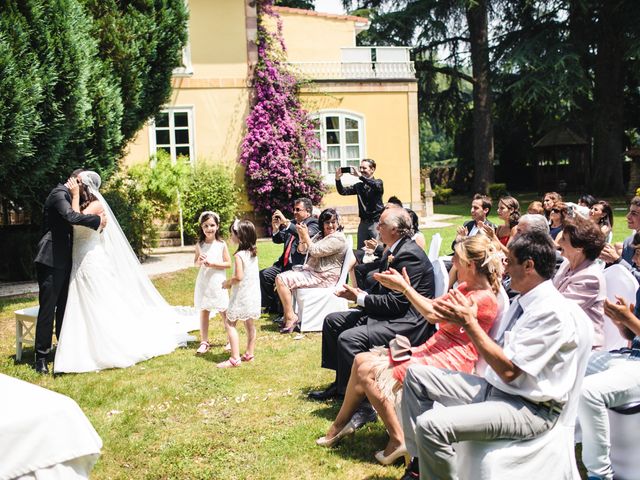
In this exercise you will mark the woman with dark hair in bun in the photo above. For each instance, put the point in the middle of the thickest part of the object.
(325, 255)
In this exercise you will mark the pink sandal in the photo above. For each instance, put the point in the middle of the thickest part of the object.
(247, 357)
(230, 363)
(203, 348)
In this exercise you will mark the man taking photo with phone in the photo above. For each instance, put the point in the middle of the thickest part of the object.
(285, 232)
(369, 191)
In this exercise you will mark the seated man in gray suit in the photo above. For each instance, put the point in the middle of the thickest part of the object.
(381, 313)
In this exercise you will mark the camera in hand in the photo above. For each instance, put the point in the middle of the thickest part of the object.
(345, 169)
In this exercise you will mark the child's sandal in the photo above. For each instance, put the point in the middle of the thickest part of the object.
(230, 363)
(203, 348)
(247, 357)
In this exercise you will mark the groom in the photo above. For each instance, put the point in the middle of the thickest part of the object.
(53, 262)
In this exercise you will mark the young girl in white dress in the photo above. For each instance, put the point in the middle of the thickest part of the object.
(212, 256)
(244, 305)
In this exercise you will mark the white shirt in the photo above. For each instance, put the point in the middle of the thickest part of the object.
(361, 295)
(543, 343)
(474, 231)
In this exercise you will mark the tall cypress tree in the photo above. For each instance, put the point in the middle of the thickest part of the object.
(78, 78)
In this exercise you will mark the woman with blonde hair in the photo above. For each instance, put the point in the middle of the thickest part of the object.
(377, 376)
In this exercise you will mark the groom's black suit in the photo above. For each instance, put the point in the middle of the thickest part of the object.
(53, 262)
(385, 314)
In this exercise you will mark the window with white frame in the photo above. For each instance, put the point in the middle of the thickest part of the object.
(341, 137)
(172, 131)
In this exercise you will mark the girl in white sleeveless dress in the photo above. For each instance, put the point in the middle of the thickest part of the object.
(212, 256)
(244, 305)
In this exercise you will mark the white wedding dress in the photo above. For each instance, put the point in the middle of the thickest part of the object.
(114, 316)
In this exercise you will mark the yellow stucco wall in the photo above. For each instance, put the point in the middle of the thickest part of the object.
(386, 125)
(218, 39)
(315, 38)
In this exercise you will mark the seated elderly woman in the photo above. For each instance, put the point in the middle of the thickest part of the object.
(580, 278)
(377, 376)
(325, 255)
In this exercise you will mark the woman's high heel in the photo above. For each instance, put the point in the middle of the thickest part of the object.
(348, 429)
(289, 329)
(401, 451)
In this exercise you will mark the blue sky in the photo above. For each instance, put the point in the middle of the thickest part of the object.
(329, 6)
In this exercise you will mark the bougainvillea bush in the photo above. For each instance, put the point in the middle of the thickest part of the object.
(280, 138)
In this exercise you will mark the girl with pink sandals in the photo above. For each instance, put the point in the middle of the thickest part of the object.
(244, 304)
(212, 256)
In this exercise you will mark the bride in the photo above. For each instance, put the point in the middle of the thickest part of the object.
(114, 316)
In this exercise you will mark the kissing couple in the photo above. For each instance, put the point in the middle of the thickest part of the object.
(107, 312)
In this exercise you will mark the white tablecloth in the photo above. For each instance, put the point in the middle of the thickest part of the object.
(43, 434)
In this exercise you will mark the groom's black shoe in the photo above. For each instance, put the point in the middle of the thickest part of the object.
(330, 393)
(363, 415)
(41, 366)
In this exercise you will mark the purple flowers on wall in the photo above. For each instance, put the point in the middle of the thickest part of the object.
(280, 138)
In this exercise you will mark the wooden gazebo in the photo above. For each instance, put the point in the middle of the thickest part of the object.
(563, 161)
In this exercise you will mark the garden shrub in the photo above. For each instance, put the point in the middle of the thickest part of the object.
(441, 194)
(161, 180)
(212, 187)
(497, 190)
(135, 213)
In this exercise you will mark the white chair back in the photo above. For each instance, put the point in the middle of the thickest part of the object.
(621, 283)
(441, 277)
(434, 247)
(498, 325)
(314, 304)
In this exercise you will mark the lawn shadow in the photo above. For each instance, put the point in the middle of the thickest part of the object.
(325, 411)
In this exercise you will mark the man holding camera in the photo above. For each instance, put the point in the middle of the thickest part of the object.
(369, 191)
(284, 231)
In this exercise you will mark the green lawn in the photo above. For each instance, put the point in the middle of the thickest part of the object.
(179, 417)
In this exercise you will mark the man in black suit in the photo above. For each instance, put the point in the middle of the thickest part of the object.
(382, 313)
(480, 208)
(369, 191)
(285, 232)
(53, 262)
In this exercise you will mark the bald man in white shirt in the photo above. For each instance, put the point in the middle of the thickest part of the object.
(532, 367)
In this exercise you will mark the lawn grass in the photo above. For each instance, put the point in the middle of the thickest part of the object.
(178, 417)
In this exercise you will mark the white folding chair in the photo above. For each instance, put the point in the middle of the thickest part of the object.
(621, 283)
(434, 247)
(314, 304)
(498, 326)
(440, 277)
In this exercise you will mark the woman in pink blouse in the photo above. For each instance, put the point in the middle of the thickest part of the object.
(580, 277)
